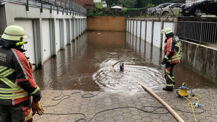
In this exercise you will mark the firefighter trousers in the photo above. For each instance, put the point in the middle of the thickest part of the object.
(17, 113)
(170, 79)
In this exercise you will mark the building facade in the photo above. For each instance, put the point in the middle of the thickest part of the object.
(49, 28)
(190, 2)
(88, 4)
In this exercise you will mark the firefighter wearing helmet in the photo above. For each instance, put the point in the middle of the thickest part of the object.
(19, 93)
(172, 56)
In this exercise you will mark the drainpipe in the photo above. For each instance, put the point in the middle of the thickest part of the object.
(27, 5)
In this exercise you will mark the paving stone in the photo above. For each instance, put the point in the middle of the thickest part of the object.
(147, 119)
(166, 118)
(105, 101)
(101, 118)
(157, 120)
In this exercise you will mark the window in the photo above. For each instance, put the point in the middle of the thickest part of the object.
(175, 5)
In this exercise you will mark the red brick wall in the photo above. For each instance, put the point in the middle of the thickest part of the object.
(106, 23)
(85, 3)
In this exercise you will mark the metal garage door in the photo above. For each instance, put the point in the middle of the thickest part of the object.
(57, 34)
(68, 31)
(61, 30)
(46, 41)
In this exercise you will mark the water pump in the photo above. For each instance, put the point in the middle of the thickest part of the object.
(182, 91)
(121, 67)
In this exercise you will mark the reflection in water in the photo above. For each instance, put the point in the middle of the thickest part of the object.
(86, 63)
(152, 57)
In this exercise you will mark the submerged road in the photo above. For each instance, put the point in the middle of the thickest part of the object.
(79, 85)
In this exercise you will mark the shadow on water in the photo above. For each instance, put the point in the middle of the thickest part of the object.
(86, 63)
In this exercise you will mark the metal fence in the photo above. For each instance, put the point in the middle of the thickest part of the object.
(65, 5)
(203, 32)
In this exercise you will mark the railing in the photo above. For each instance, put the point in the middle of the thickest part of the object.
(65, 5)
(202, 32)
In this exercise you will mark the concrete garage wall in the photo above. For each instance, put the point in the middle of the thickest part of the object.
(200, 58)
(47, 31)
(106, 23)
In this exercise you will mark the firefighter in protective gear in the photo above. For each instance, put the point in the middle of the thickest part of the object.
(17, 84)
(172, 56)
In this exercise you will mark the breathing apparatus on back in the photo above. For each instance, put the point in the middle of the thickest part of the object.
(177, 42)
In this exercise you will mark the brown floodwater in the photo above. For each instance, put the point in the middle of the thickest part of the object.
(86, 64)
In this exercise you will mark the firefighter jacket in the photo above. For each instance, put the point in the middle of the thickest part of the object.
(16, 80)
(172, 49)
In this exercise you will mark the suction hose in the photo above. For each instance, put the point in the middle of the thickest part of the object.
(175, 115)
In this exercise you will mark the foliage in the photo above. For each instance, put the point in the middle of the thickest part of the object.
(149, 5)
(123, 3)
(127, 3)
(98, 5)
(116, 12)
(139, 3)
(94, 12)
(111, 2)
(130, 7)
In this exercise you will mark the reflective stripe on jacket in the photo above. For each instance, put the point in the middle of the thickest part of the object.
(16, 80)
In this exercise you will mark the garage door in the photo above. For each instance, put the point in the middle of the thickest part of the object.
(62, 33)
(27, 25)
(57, 34)
(68, 31)
(46, 45)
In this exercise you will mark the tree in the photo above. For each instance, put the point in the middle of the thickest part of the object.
(138, 3)
(123, 3)
(127, 3)
(111, 2)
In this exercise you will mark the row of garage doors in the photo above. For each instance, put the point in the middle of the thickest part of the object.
(53, 36)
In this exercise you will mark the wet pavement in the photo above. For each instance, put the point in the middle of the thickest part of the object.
(79, 85)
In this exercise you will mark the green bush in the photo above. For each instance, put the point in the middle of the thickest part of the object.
(98, 11)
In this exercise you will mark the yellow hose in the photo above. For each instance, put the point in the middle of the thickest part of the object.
(192, 107)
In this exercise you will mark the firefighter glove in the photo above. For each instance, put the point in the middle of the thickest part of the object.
(165, 60)
(37, 108)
